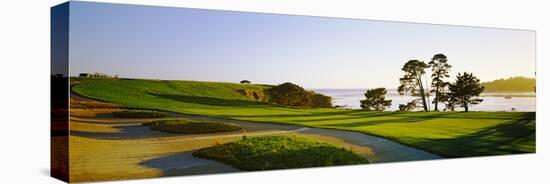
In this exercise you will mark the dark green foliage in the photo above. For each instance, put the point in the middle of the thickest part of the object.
(190, 126)
(292, 95)
(245, 82)
(464, 91)
(409, 106)
(279, 152)
(82, 80)
(375, 100)
(140, 114)
(440, 71)
(319, 100)
(255, 94)
(522, 84)
(288, 94)
(411, 82)
(81, 104)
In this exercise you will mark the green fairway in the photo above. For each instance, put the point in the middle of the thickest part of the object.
(449, 134)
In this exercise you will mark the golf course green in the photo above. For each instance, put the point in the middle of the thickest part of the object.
(448, 134)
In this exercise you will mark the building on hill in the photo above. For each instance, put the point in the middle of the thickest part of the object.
(96, 75)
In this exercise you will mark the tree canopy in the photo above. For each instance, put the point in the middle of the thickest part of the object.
(411, 82)
(465, 90)
(440, 71)
(375, 100)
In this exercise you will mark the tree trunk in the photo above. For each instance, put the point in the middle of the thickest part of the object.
(465, 106)
(436, 99)
(422, 94)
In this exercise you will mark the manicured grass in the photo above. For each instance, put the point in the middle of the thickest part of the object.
(140, 114)
(279, 152)
(450, 134)
(186, 126)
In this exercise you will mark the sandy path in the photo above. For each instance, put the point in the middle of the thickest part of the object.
(103, 147)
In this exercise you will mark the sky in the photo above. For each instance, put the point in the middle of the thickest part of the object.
(150, 42)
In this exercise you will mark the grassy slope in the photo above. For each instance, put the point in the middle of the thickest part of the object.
(451, 134)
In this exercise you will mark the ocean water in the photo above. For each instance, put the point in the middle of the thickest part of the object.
(492, 101)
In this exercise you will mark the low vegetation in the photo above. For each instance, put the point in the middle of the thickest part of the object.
(279, 152)
(140, 114)
(515, 84)
(255, 94)
(186, 126)
(79, 104)
(82, 80)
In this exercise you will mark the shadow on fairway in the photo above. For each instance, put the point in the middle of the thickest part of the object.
(514, 137)
(210, 101)
(185, 164)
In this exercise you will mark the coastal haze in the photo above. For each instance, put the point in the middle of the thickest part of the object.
(492, 101)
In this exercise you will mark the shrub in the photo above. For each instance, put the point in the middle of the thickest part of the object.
(279, 152)
(245, 82)
(187, 126)
(288, 94)
(258, 95)
(409, 106)
(140, 114)
(80, 104)
(319, 100)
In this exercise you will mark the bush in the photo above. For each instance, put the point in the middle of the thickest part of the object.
(319, 100)
(255, 94)
(245, 82)
(140, 114)
(80, 104)
(409, 106)
(288, 94)
(279, 152)
(187, 126)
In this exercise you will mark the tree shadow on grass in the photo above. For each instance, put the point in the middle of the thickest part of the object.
(405, 116)
(125, 132)
(184, 163)
(210, 101)
(365, 119)
(354, 113)
(513, 137)
(371, 122)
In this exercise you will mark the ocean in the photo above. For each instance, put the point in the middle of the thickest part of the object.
(492, 101)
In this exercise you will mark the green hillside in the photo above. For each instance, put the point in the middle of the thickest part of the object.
(520, 84)
(450, 134)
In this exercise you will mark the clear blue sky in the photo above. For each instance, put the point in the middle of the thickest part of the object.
(314, 52)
